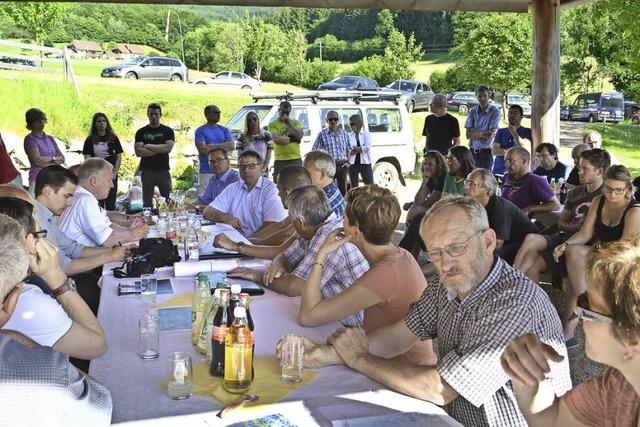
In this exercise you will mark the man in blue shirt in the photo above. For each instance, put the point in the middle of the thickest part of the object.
(482, 123)
(335, 141)
(210, 136)
(509, 137)
(221, 177)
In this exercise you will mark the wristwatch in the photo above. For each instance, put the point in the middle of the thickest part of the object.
(68, 285)
(239, 246)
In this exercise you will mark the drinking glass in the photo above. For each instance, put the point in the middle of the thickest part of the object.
(292, 358)
(148, 288)
(180, 375)
(149, 328)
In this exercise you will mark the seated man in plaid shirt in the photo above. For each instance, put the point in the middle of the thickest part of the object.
(322, 169)
(335, 141)
(313, 221)
(478, 306)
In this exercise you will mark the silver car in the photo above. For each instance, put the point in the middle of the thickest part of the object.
(230, 79)
(415, 95)
(154, 68)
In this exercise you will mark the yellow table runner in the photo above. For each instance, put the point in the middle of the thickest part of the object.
(178, 301)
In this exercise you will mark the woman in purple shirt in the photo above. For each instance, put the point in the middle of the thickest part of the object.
(41, 148)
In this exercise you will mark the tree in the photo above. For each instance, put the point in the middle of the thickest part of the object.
(384, 26)
(36, 18)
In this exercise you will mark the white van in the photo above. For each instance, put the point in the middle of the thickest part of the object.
(384, 117)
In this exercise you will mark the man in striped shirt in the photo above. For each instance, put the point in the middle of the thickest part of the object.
(334, 140)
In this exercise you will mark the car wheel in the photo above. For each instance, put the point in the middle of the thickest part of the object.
(131, 75)
(591, 119)
(463, 109)
(246, 87)
(411, 107)
(385, 175)
(200, 83)
(176, 78)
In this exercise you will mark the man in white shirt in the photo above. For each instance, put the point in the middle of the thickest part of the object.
(63, 320)
(86, 222)
(38, 386)
(249, 204)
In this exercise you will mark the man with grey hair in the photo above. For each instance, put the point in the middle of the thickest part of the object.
(510, 224)
(335, 141)
(313, 220)
(478, 305)
(322, 168)
(86, 222)
(528, 191)
(32, 377)
(441, 129)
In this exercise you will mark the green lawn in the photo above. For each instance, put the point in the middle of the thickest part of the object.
(623, 141)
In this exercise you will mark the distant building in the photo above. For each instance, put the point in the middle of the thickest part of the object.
(127, 51)
(86, 48)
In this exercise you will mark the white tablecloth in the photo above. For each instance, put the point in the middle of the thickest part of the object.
(336, 393)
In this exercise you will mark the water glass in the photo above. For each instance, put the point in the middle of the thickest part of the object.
(292, 358)
(146, 215)
(148, 288)
(149, 327)
(180, 375)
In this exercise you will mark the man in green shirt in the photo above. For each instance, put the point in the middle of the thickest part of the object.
(286, 134)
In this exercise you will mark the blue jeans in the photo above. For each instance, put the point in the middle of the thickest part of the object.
(482, 158)
(362, 169)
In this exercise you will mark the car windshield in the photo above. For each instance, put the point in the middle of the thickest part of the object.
(344, 80)
(612, 101)
(402, 85)
(517, 99)
(136, 60)
(237, 121)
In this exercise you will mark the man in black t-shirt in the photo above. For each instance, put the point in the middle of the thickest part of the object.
(441, 128)
(153, 144)
(510, 224)
(550, 166)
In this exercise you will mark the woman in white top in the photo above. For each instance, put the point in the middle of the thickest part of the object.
(359, 152)
(256, 139)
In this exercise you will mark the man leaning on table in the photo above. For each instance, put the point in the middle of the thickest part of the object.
(475, 309)
(38, 385)
(86, 222)
(313, 220)
(249, 204)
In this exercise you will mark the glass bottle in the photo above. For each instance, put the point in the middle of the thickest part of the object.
(218, 334)
(201, 296)
(244, 302)
(204, 340)
(238, 354)
(234, 300)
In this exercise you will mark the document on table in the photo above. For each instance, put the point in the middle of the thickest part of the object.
(175, 318)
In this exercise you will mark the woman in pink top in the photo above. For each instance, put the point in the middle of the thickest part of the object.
(611, 319)
(385, 292)
(41, 148)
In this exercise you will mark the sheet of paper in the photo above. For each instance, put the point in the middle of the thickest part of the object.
(175, 318)
(191, 268)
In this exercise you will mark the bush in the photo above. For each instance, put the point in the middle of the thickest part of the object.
(128, 166)
(154, 53)
(456, 78)
(371, 67)
(320, 72)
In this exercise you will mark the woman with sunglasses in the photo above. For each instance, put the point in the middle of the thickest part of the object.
(359, 152)
(612, 216)
(103, 142)
(256, 139)
(434, 170)
(41, 148)
(611, 322)
(460, 163)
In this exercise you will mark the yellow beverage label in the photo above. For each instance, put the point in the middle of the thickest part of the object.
(196, 326)
(237, 362)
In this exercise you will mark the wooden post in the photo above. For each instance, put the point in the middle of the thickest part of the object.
(545, 91)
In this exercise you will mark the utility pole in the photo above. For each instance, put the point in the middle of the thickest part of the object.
(320, 50)
(198, 58)
(179, 27)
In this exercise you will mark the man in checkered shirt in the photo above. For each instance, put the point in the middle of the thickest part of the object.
(476, 308)
(38, 386)
(313, 221)
(335, 141)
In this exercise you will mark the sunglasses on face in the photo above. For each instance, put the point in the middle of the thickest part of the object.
(585, 313)
(215, 111)
(39, 234)
(333, 119)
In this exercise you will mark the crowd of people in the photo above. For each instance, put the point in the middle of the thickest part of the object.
(491, 226)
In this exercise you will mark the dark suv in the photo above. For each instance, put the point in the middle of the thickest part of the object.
(461, 102)
(350, 83)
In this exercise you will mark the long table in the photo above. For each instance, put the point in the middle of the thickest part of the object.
(336, 393)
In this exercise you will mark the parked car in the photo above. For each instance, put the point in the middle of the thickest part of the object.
(631, 108)
(18, 61)
(461, 101)
(388, 123)
(154, 68)
(415, 95)
(597, 107)
(564, 112)
(350, 83)
(518, 99)
(230, 79)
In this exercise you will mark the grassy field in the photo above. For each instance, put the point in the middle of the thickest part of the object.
(623, 141)
(423, 69)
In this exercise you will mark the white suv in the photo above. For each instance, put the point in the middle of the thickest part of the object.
(385, 119)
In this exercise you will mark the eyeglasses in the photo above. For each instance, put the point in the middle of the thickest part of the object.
(585, 313)
(616, 191)
(250, 166)
(287, 112)
(454, 250)
(332, 119)
(469, 183)
(39, 234)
